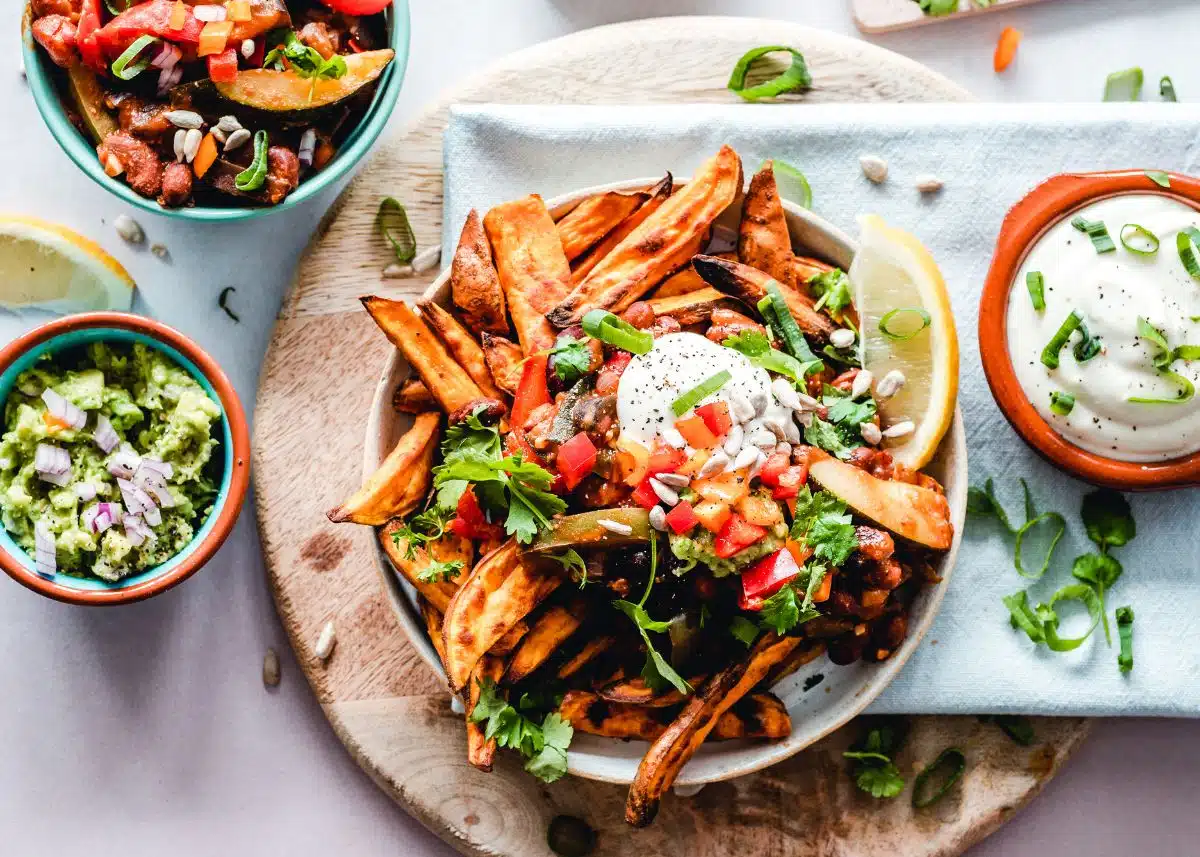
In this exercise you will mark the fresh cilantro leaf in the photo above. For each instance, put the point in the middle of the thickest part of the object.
(489, 704)
(641, 618)
(550, 763)
(573, 565)
(544, 746)
(865, 756)
(572, 358)
(656, 671)
(421, 529)
(757, 347)
(810, 507)
(875, 773)
(511, 486)
(880, 781)
(304, 61)
(1101, 571)
(781, 612)
(743, 630)
(471, 436)
(834, 290)
(440, 572)
(1108, 519)
(827, 437)
(832, 538)
(850, 413)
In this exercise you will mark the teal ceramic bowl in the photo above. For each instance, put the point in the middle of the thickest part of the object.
(81, 150)
(234, 453)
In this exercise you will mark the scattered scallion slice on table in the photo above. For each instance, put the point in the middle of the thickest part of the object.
(1062, 403)
(255, 175)
(1035, 282)
(1125, 85)
(1097, 232)
(124, 67)
(700, 392)
(1159, 178)
(1132, 232)
(796, 77)
(1186, 242)
(951, 764)
(1125, 630)
(894, 326)
(1166, 89)
(792, 184)
(611, 330)
(392, 223)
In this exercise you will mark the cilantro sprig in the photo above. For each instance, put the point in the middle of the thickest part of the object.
(543, 745)
(757, 347)
(657, 671)
(572, 359)
(439, 571)
(304, 61)
(834, 287)
(422, 528)
(874, 771)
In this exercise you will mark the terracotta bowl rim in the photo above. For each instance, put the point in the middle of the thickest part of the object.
(225, 516)
(1055, 199)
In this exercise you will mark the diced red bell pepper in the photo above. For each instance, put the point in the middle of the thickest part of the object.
(85, 36)
(716, 417)
(737, 535)
(766, 577)
(696, 433)
(665, 459)
(576, 458)
(223, 67)
(790, 481)
(471, 523)
(358, 7)
(152, 18)
(682, 518)
(609, 376)
(532, 391)
(644, 495)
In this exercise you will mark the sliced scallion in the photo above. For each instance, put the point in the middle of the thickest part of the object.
(1133, 232)
(779, 318)
(1159, 178)
(1125, 630)
(1166, 89)
(792, 184)
(1185, 352)
(124, 66)
(906, 331)
(1060, 339)
(1072, 592)
(1162, 362)
(1124, 85)
(796, 77)
(1061, 403)
(1186, 391)
(255, 175)
(700, 392)
(603, 325)
(1097, 232)
(392, 223)
(1036, 283)
(1186, 242)
(951, 763)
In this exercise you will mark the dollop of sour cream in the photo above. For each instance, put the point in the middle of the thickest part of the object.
(1110, 291)
(677, 363)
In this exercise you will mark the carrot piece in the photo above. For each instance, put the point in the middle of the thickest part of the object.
(1006, 48)
(206, 155)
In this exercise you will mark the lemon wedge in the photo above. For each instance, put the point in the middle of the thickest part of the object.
(48, 267)
(907, 327)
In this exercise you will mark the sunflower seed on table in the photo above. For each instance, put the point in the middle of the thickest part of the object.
(715, 463)
(664, 493)
(186, 119)
(929, 183)
(237, 139)
(160, 251)
(615, 527)
(861, 385)
(129, 229)
(745, 458)
(270, 671)
(785, 393)
(870, 433)
(675, 480)
(180, 136)
(326, 641)
(733, 441)
(673, 438)
(900, 429)
(229, 124)
(874, 168)
(658, 518)
(191, 144)
(427, 259)
(396, 271)
(843, 337)
(890, 384)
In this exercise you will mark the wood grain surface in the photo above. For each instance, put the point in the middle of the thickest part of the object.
(883, 16)
(384, 703)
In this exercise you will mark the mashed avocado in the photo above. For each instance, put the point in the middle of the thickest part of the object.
(156, 408)
(698, 550)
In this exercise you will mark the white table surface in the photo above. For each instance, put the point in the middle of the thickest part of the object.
(146, 730)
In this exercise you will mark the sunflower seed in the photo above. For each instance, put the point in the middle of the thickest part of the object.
(774, 425)
(237, 139)
(191, 144)
(861, 384)
(843, 337)
(890, 384)
(396, 271)
(783, 449)
(229, 124)
(658, 518)
(219, 135)
(807, 402)
(209, 14)
(180, 136)
(762, 438)
(870, 433)
(456, 705)
(271, 668)
(667, 495)
(743, 411)
(160, 251)
(929, 184)
(427, 259)
(790, 432)
(874, 167)
(186, 119)
(900, 429)
(745, 458)
(673, 438)
(326, 641)
(675, 480)
(129, 229)
(733, 442)
(247, 48)
(759, 401)
(715, 463)
(785, 393)
(113, 166)
(615, 527)
(805, 418)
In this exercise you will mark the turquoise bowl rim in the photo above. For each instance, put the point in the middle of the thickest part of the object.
(83, 153)
(157, 579)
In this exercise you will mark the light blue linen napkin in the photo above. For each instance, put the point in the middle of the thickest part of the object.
(989, 156)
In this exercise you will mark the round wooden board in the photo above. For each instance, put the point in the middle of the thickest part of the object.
(383, 702)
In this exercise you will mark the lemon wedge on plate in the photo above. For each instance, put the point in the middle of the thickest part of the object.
(906, 326)
(48, 267)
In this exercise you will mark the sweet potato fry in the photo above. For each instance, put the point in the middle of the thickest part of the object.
(445, 378)
(500, 592)
(763, 238)
(433, 627)
(532, 266)
(474, 284)
(549, 632)
(652, 251)
(759, 715)
(807, 653)
(461, 344)
(672, 750)
(749, 285)
(503, 358)
(694, 307)
(413, 397)
(635, 691)
(591, 650)
(400, 483)
(595, 217)
(658, 194)
(481, 751)
(446, 549)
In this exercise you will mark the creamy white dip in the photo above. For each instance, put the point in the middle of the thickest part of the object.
(1110, 291)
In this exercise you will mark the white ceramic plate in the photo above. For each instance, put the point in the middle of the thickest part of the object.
(842, 693)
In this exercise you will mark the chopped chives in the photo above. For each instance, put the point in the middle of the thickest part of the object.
(1060, 338)
(1124, 85)
(1036, 283)
(1185, 243)
(1125, 630)
(1134, 231)
(615, 331)
(795, 77)
(124, 67)
(1062, 403)
(902, 335)
(1097, 232)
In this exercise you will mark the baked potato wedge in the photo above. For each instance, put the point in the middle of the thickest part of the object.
(759, 715)
(413, 397)
(503, 358)
(657, 195)
(692, 307)
(447, 381)
(400, 484)
(474, 284)
(654, 249)
(585, 224)
(433, 626)
(554, 627)
(635, 691)
(913, 512)
(481, 750)
(532, 267)
(686, 280)
(446, 549)
(461, 344)
(749, 285)
(763, 238)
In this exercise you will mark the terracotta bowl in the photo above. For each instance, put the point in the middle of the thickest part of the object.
(820, 696)
(1046, 205)
(234, 451)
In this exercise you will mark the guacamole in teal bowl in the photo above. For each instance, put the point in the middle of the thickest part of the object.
(118, 459)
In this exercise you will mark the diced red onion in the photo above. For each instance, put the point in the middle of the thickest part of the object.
(136, 530)
(105, 435)
(84, 491)
(97, 518)
(157, 465)
(53, 464)
(167, 58)
(124, 463)
(136, 500)
(152, 517)
(308, 147)
(61, 409)
(152, 475)
(169, 78)
(45, 559)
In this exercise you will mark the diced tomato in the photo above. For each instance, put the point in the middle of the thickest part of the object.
(766, 577)
(576, 458)
(515, 442)
(665, 459)
(609, 376)
(790, 481)
(776, 463)
(152, 18)
(644, 495)
(85, 36)
(682, 518)
(716, 417)
(223, 67)
(468, 508)
(736, 535)
(471, 523)
(532, 391)
(696, 433)
(358, 7)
